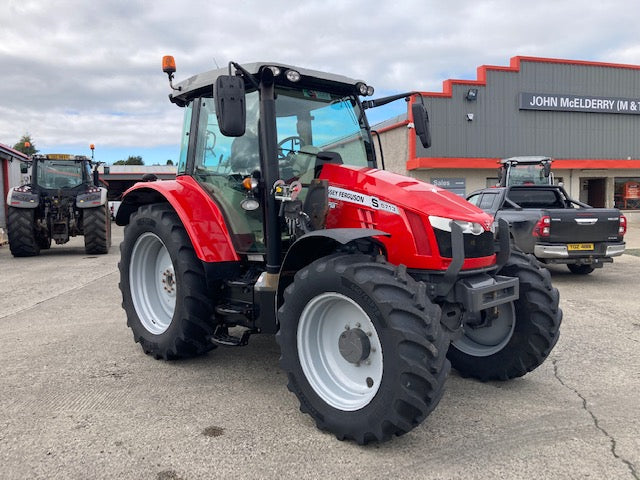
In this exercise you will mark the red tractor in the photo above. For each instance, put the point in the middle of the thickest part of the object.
(280, 222)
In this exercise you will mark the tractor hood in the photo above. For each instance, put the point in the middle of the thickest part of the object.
(388, 191)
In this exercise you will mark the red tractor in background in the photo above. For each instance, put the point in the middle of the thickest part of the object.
(280, 222)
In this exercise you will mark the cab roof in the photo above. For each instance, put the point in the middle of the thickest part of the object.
(60, 156)
(202, 83)
(526, 159)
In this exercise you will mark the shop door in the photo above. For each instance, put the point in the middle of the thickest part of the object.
(596, 191)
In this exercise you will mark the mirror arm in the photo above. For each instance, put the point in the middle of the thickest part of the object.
(378, 102)
(245, 73)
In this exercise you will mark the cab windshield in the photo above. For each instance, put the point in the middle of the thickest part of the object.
(55, 174)
(308, 122)
(523, 174)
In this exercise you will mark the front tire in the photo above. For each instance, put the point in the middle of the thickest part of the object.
(97, 230)
(163, 286)
(362, 347)
(522, 335)
(23, 241)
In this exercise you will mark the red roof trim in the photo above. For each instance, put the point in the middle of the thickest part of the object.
(12, 152)
(393, 126)
(514, 66)
(493, 163)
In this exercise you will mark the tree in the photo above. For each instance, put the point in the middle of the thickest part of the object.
(169, 162)
(137, 160)
(26, 145)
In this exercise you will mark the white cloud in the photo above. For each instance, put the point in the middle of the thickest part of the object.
(77, 71)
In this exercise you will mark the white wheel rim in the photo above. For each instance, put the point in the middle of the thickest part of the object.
(152, 282)
(342, 384)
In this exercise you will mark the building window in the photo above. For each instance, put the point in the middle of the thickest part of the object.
(627, 193)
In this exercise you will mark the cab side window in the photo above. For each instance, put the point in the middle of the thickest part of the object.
(474, 199)
(487, 201)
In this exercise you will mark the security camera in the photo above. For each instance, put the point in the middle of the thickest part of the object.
(469, 117)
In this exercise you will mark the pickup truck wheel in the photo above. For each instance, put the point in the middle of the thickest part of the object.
(163, 286)
(23, 241)
(522, 335)
(580, 269)
(362, 347)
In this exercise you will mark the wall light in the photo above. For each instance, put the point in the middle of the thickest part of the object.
(472, 94)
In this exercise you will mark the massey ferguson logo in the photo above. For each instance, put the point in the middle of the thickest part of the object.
(362, 199)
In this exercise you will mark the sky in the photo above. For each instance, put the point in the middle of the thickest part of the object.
(76, 72)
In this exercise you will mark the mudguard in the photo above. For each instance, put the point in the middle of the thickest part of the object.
(93, 199)
(316, 244)
(22, 199)
(201, 217)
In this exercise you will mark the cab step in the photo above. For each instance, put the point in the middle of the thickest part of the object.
(221, 336)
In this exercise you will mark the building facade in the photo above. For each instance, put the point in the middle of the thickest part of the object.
(584, 115)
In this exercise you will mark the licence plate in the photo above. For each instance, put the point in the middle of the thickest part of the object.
(577, 247)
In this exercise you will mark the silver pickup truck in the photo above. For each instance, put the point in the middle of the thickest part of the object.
(544, 221)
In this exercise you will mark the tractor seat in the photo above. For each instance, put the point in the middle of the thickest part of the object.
(322, 158)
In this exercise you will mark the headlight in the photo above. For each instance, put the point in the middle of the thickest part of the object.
(442, 223)
(292, 75)
(274, 69)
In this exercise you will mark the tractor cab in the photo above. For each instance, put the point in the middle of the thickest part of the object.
(312, 127)
(525, 171)
(61, 172)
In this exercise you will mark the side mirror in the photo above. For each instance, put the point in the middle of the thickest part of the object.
(24, 168)
(231, 110)
(421, 124)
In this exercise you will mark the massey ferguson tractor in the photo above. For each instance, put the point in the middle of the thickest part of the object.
(280, 222)
(62, 200)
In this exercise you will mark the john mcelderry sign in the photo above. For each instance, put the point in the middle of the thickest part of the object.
(578, 103)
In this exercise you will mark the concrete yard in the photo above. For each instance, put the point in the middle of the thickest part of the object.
(80, 400)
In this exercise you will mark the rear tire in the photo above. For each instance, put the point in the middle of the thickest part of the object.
(580, 269)
(362, 347)
(97, 230)
(21, 230)
(163, 286)
(522, 336)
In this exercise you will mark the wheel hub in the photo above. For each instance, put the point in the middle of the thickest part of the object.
(354, 345)
(168, 280)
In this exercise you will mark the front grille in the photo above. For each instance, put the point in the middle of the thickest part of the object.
(474, 245)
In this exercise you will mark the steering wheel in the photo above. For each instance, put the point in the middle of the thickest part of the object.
(210, 148)
(295, 142)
